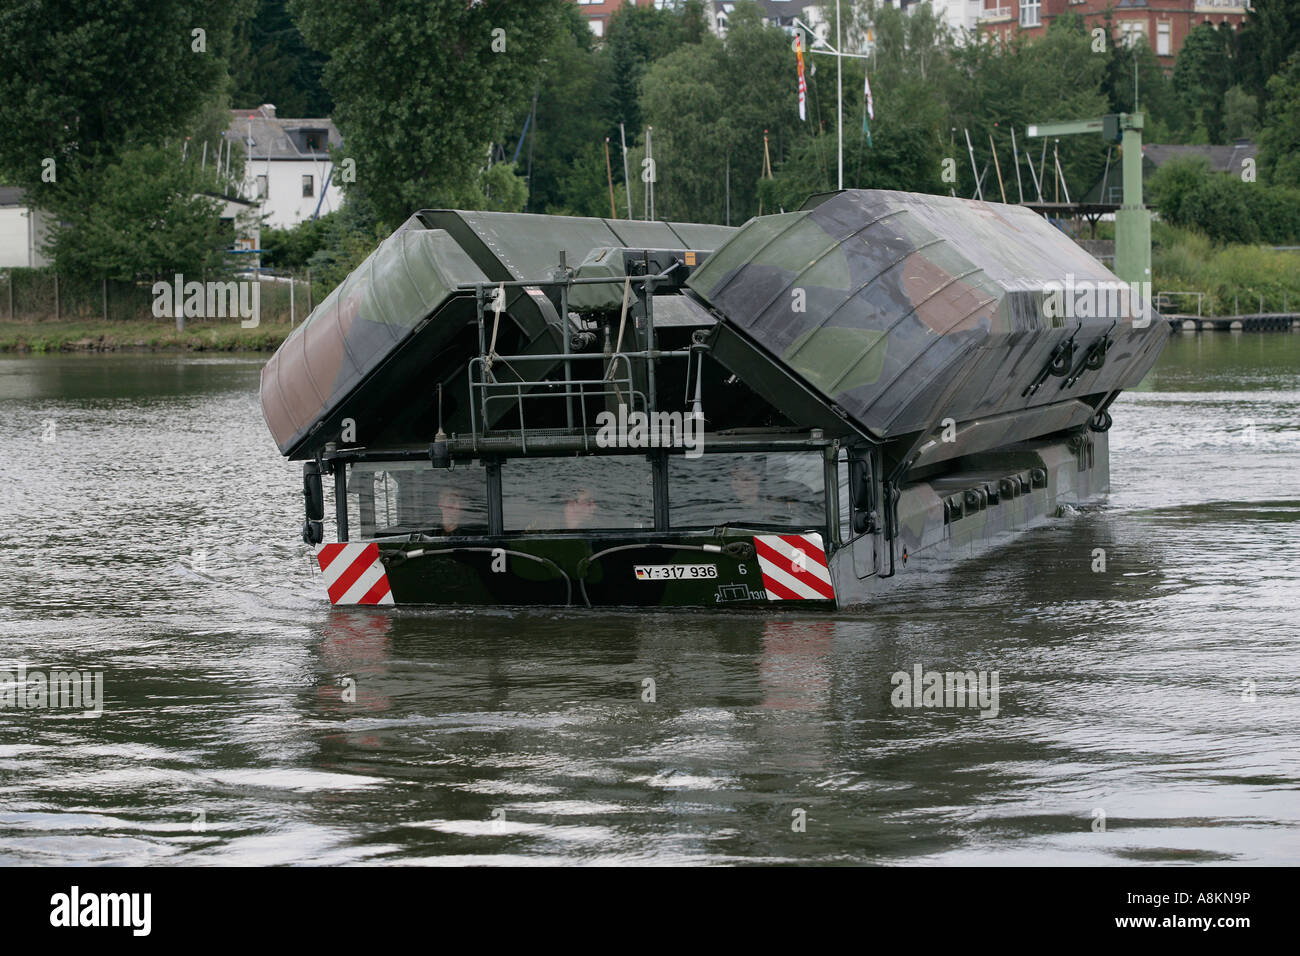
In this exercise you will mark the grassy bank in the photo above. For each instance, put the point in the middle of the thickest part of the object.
(147, 335)
(1234, 277)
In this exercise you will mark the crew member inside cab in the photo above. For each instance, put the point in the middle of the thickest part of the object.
(580, 510)
(451, 509)
(765, 488)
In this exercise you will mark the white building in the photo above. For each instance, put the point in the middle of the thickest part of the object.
(23, 230)
(818, 15)
(961, 16)
(779, 12)
(288, 170)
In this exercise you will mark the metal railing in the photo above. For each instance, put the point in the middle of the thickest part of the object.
(483, 385)
(615, 383)
(1164, 297)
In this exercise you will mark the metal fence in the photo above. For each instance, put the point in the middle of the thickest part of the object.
(45, 295)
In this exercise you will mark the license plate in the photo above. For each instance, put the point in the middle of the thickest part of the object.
(675, 572)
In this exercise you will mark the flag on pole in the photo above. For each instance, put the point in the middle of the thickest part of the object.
(803, 85)
(869, 111)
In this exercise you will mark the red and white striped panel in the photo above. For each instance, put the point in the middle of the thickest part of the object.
(794, 567)
(354, 574)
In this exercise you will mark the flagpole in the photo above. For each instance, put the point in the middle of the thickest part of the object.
(627, 180)
(609, 175)
(839, 76)
(839, 84)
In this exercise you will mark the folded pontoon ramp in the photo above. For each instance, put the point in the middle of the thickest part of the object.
(896, 311)
(372, 354)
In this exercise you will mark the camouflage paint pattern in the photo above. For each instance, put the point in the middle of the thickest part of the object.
(402, 300)
(884, 301)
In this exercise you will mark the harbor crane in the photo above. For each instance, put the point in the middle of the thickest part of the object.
(1132, 220)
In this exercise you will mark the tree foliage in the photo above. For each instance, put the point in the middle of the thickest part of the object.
(998, 87)
(1279, 140)
(421, 89)
(1270, 35)
(272, 63)
(709, 104)
(81, 83)
(574, 114)
(640, 35)
(1203, 73)
(1222, 206)
(147, 213)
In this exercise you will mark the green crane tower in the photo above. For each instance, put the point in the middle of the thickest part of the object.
(1133, 221)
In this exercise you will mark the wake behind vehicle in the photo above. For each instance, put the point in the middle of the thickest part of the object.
(814, 407)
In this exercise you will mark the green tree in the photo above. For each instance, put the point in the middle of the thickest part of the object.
(574, 103)
(760, 95)
(1056, 77)
(584, 187)
(1163, 111)
(147, 213)
(1169, 187)
(683, 103)
(499, 188)
(350, 234)
(636, 37)
(903, 155)
(1270, 35)
(293, 248)
(273, 64)
(422, 88)
(80, 82)
(1223, 207)
(1279, 139)
(1203, 74)
(1240, 115)
(709, 104)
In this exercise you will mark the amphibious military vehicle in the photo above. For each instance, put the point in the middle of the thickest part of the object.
(813, 407)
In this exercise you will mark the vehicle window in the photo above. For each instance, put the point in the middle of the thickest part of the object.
(784, 489)
(572, 494)
(397, 498)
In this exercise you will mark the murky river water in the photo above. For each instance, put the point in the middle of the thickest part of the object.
(1147, 713)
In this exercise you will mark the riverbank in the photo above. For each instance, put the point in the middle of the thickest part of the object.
(139, 335)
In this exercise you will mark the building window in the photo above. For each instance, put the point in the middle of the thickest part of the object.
(597, 26)
(1163, 45)
(307, 188)
(1029, 10)
(1132, 32)
(262, 186)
